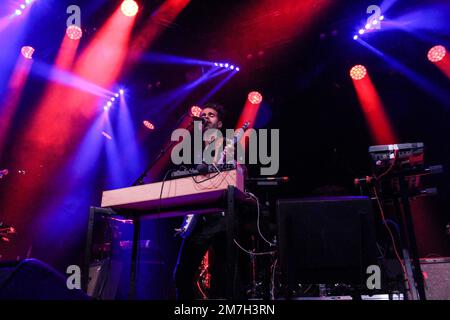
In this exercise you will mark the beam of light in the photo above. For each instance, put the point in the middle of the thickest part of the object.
(373, 109)
(187, 89)
(66, 54)
(115, 167)
(439, 56)
(386, 5)
(166, 13)
(100, 63)
(249, 113)
(87, 154)
(161, 58)
(103, 59)
(78, 163)
(216, 88)
(63, 218)
(159, 167)
(423, 36)
(130, 156)
(431, 89)
(425, 18)
(11, 100)
(69, 80)
(4, 23)
(12, 39)
(48, 113)
(84, 159)
(170, 100)
(49, 109)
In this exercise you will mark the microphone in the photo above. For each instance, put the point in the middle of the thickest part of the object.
(203, 120)
(202, 168)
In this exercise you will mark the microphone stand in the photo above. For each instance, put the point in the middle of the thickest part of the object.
(140, 180)
(136, 220)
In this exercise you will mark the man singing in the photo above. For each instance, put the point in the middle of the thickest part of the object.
(209, 230)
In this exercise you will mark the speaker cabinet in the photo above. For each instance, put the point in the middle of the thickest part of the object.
(326, 240)
(436, 272)
(430, 217)
(104, 278)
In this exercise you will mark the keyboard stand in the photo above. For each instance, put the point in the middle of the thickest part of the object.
(231, 197)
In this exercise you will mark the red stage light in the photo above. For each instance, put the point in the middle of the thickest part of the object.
(196, 111)
(358, 72)
(149, 125)
(27, 52)
(74, 32)
(436, 54)
(255, 97)
(129, 8)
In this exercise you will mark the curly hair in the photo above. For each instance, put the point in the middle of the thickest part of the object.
(218, 108)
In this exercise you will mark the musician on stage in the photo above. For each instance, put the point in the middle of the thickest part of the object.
(209, 230)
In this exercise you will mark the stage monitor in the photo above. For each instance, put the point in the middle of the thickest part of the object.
(326, 240)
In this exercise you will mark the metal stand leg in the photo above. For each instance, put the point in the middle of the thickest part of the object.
(134, 253)
(411, 239)
(88, 250)
(413, 293)
(230, 218)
